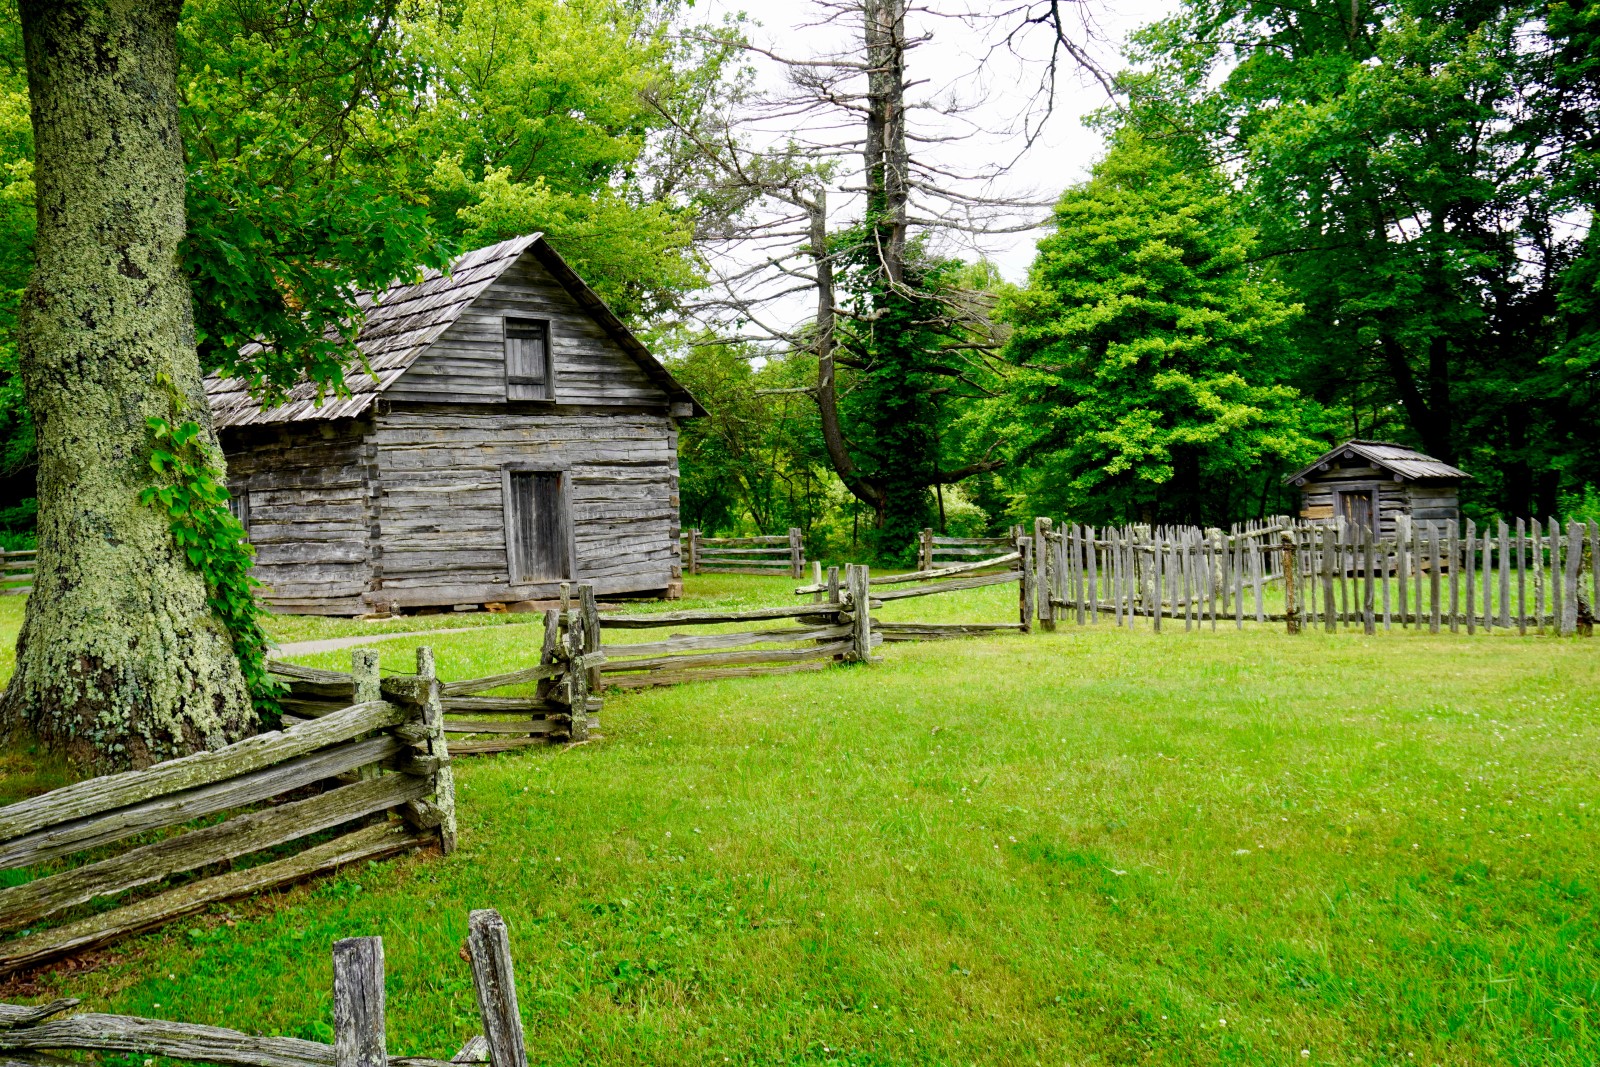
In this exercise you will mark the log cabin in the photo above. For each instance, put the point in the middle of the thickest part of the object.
(1360, 480)
(503, 432)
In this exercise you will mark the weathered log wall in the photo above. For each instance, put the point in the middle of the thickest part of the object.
(308, 494)
(443, 517)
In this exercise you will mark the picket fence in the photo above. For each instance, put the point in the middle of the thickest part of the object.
(1526, 576)
(359, 1024)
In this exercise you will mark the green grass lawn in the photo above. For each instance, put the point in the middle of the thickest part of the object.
(1093, 846)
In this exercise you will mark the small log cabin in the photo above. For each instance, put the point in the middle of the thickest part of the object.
(1360, 480)
(510, 435)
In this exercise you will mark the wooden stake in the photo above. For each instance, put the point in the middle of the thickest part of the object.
(489, 949)
(358, 1024)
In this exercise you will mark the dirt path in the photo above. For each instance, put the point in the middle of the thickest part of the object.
(334, 644)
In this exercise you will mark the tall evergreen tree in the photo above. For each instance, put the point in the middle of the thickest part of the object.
(1151, 353)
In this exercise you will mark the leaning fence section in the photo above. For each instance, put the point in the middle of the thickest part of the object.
(732, 644)
(776, 555)
(936, 551)
(1527, 576)
(116, 855)
(359, 1020)
(553, 701)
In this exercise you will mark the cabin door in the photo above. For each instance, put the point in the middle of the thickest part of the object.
(538, 526)
(1359, 507)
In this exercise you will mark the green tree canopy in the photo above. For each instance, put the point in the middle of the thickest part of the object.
(1150, 352)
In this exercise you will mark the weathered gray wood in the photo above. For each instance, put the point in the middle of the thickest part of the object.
(176, 808)
(372, 842)
(719, 659)
(489, 948)
(500, 726)
(1558, 612)
(458, 705)
(710, 618)
(23, 904)
(1574, 562)
(97, 795)
(1041, 574)
(501, 681)
(444, 783)
(1522, 585)
(944, 572)
(952, 628)
(950, 586)
(15, 1015)
(617, 654)
(1469, 565)
(358, 1019)
(476, 1050)
(155, 1037)
(1505, 576)
(660, 678)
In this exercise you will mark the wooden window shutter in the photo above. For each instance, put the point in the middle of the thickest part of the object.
(530, 371)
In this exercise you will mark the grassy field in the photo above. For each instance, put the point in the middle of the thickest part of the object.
(1088, 847)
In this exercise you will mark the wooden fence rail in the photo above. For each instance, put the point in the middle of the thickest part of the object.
(1527, 576)
(375, 772)
(1004, 569)
(934, 552)
(475, 712)
(359, 1038)
(766, 641)
(16, 571)
(775, 555)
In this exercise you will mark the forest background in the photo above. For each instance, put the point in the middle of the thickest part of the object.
(1307, 224)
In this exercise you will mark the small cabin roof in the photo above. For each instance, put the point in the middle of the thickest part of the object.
(404, 319)
(1406, 464)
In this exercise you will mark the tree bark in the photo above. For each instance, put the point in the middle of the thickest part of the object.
(121, 662)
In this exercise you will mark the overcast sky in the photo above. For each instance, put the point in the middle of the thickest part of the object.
(959, 60)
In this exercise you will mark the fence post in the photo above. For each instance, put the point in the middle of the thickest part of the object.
(1025, 584)
(925, 551)
(444, 782)
(860, 594)
(694, 551)
(797, 554)
(575, 686)
(368, 687)
(591, 633)
(1042, 576)
(489, 949)
(833, 585)
(358, 1034)
(1291, 583)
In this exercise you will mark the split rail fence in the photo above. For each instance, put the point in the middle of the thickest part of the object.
(16, 571)
(476, 712)
(934, 552)
(780, 640)
(359, 1024)
(1525, 577)
(367, 780)
(774, 555)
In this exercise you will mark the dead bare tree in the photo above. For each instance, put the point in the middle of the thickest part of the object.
(839, 188)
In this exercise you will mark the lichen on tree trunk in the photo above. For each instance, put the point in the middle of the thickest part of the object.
(121, 661)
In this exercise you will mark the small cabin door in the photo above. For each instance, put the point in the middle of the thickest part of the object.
(1359, 507)
(538, 526)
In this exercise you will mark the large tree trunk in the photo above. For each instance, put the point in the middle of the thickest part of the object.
(120, 661)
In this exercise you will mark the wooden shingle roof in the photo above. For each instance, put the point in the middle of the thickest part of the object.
(1402, 462)
(403, 320)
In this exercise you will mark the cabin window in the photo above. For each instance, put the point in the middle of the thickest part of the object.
(530, 371)
(239, 505)
(538, 526)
